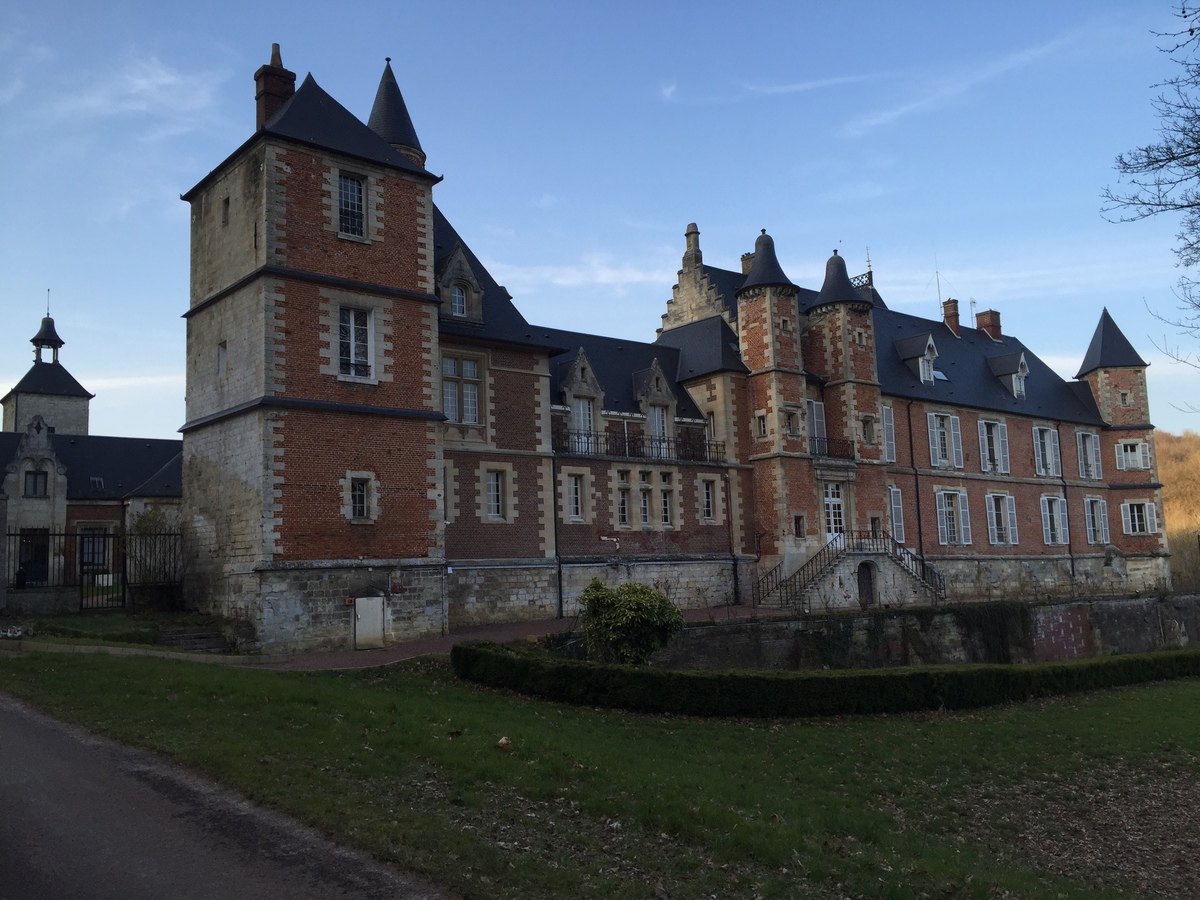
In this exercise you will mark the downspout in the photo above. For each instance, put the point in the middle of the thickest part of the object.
(554, 512)
(737, 600)
(912, 461)
(1062, 475)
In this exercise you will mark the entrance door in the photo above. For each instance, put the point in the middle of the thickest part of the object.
(835, 520)
(35, 556)
(866, 584)
(368, 623)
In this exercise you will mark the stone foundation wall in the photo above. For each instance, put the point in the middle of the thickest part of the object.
(976, 633)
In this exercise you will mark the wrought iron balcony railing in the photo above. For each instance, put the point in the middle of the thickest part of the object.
(834, 448)
(637, 446)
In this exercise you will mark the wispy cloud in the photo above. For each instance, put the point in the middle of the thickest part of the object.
(141, 86)
(592, 270)
(940, 92)
(667, 91)
(816, 84)
(546, 201)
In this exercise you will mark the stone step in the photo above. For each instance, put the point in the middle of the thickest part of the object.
(209, 640)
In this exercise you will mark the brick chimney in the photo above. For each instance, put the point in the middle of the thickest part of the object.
(273, 86)
(950, 315)
(747, 263)
(988, 322)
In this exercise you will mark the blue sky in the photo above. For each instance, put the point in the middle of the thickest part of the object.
(966, 145)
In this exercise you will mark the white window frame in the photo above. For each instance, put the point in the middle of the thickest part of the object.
(708, 499)
(461, 391)
(666, 499)
(356, 343)
(1055, 530)
(1047, 460)
(926, 368)
(1133, 455)
(458, 301)
(1087, 445)
(497, 494)
(657, 425)
(945, 433)
(896, 502)
(816, 419)
(360, 497)
(889, 434)
(1095, 517)
(1002, 519)
(954, 519)
(575, 496)
(1139, 517)
(993, 435)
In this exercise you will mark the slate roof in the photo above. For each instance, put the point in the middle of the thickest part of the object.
(502, 321)
(126, 467)
(49, 378)
(389, 116)
(836, 288)
(1109, 349)
(765, 270)
(967, 363)
(705, 347)
(618, 365)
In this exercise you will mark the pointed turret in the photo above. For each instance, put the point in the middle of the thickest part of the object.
(765, 270)
(837, 287)
(48, 391)
(390, 119)
(1109, 349)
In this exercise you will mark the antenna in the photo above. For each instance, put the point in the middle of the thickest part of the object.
(47, 301)
(938, 275)
(972, 309)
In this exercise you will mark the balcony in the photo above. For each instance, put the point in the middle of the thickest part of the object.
(832, 448)
(637, 446)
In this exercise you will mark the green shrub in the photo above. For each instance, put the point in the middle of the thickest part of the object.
(626, 624)
(786, 694)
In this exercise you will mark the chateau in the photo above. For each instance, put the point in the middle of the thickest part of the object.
(378, 444)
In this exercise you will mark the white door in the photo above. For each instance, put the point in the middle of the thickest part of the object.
(835, 520)
(368, 623)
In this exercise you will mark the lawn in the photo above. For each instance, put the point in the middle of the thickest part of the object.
(491, 794)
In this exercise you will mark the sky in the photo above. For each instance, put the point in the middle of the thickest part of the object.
(963, 147)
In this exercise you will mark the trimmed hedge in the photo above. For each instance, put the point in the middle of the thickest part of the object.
(789, 694)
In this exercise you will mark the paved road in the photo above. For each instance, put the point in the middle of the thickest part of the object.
(83, 818)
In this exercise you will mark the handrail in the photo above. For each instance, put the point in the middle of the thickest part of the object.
(637, 446)
(834, 448)
(766, 585)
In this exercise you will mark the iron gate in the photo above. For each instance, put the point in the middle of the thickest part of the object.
(104, 567)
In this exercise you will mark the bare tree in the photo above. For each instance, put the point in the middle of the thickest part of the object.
(1164, 176)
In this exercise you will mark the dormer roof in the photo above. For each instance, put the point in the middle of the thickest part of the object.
(1109, 349)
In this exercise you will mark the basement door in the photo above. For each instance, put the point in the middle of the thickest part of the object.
(368, 623)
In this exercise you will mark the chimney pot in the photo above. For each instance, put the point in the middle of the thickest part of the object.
(273, 87)
(988, 322)
(950, 315)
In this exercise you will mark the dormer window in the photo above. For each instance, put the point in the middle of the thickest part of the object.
(1019, 385)
(36, 484)
(458, 301)
(927, 375)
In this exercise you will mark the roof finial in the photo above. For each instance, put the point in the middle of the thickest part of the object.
(387, 59)
(276, 58)
(47, 301)
(868, 258)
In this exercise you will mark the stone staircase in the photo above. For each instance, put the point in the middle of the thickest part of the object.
(197, 638)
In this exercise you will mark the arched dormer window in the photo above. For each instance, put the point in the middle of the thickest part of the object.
(458, 301)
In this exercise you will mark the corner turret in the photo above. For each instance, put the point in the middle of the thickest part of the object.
(390, 119)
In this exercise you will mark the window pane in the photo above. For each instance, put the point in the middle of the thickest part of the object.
(449, 366)
(470, 368)
(470, 396)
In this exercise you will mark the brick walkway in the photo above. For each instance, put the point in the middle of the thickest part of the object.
(440, 646)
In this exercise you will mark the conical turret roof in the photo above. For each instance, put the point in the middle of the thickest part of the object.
(47, 336)
(765, 270)
(389, 116)
(1109, 349)
(837, 287)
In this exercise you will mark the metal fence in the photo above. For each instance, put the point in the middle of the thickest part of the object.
(105, 567)
(638, 446)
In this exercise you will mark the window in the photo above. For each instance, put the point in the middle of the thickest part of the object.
(350, 206)
(897, 514)
(458, 301)
(926, 370)
(1124, 398)
(1133, 455)
(1018, 382)
(1096, 515)
(787, 326)
(954, 520)
(36, 484)
(1087, 444)
(93, 547)
(945, 441)
(762, 426)
(860, 337)
(1002, 519)
(97, 482)
(658, 432)
(889, 435)
(993, 447)
(225, 211)
(1046, 458)
(354, 342)
(360, 498)
(582, 439)
(707, 501)
(1139, 518)
(816, 420)
(835, 521)
(575, 496)
(712, 426)
(460, 390)
(666, 497)
(868, 430)
(793, 423)
(1054, 520)
(644, 481)
(222, 358)
(496, 505)
(798, 525)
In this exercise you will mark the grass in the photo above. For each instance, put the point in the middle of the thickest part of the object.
(107, 627)
(409, 764)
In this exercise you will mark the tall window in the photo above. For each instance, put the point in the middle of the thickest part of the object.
(666, 495)
(1096, 514)
(93, 547)
(460, 390)
(458, 301)
(1139, 518)
(1133, 455)
(1002, 519)
(889, 434)
(816, 428)
(927, 369)
(993, 446)
(36, 484)
(354, 342)
(623, 497)
(658, 432)
(644, 481)
(1054, 520)
(945, 441)
(583, 440)
(350, 206)
(495, 494)
(835, 522)
(1045, 451)
(954, 519)
(575, 496)
(707, 500)
(359, 498)
(1088, 445)
(897, 505)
